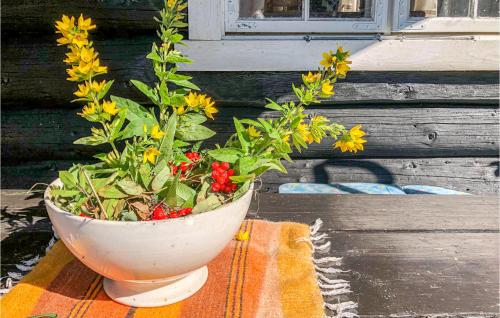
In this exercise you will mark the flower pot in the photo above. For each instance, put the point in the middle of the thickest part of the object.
(150, 263)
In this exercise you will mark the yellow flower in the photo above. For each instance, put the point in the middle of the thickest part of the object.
(150, 155)
(311, 77)
(192, 100)
(242, 236)
(170, 3)
(83, 90)
(342, 68)
(352, 141)
(97, 87)
(181, 110)
(156, 133)
(252, 132)
(85, 24)
(327, 88)
(88, 110)
(87, 54)
(328, 59)
(209, 107)
(304, 132)
(84, 70)
(109, 107)
(66, 24)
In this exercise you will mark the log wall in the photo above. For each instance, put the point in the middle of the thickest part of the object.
(436, 128)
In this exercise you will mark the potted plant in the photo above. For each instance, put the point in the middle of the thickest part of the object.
(156, 208)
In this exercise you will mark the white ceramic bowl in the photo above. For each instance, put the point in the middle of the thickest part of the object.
(150, 263)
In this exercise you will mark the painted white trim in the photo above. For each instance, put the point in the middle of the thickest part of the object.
(376, 24)
(206, 19)
(402, 22)
(476, 53)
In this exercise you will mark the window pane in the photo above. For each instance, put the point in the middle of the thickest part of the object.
(488, 8)
(340, 8)
(440, 8)
(261, 9)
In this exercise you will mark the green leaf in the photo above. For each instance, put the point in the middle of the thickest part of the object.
(193, 118)
(210, 203)
(160, 179)
(90, 141)
(146, 90)
(136, 127)
(184, 83)
(194, 132)
(128, 216)
(130, 187)
(64, 193)
(242, 135)
(168, 139)
(111, 192)
(153, 56)
(242, 190)
(145, 175)
(116, 125)
(273, 105)
(68, 179)
(109, 207)
(134, 110)
(105, 89)
(242, 178)
(230, 155)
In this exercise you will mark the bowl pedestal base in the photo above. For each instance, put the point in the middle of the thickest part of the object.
(156, 293)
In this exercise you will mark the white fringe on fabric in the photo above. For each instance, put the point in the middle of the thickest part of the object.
(327, 268)
(25, 266)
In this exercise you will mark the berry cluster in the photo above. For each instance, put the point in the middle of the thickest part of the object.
(220, 175)
(185, 166)
(161, 212)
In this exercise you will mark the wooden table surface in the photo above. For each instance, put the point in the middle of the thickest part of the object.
(408, 256)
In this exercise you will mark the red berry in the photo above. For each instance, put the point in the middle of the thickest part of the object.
(196, 156)
(159, 213)
(234, 186)
(85, 215)
(189, 155)
(215, 187)
(174, 169)
(188, 211)
(184, 166)
(173, 214)
(215, 174)
(227, 189)
(215, 165)
(224, 165)
(221, 180)
(220, 171)
(230, 172)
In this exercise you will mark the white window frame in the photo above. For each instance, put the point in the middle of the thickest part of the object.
(214, 49)
(402, 22)
(375, 24)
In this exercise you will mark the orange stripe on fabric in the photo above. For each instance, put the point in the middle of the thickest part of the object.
(210, 301)
(23, 298)
(104, 307)
(88, 299)
(299, 293)
(66, 291)
(170, 311)
(258, 257)
(234, 274)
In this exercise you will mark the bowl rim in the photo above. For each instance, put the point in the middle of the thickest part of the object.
(49, 203)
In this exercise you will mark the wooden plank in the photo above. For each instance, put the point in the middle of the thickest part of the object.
(392, 132)
(206, 19)
(419, 274)
(125, 56)
(353, 213)
(472, 175)
(112, 16)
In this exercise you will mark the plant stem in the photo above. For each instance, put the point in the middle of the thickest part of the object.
(94, 191)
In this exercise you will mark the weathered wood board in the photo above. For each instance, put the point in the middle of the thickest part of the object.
(407, 256)
(46, 86)
(473, 175)
(46, 134)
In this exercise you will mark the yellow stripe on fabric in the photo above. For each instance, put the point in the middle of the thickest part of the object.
(22, 299)
(233, 274)
(238, 296)
(170, 311)
(299, 292)
(90, 294)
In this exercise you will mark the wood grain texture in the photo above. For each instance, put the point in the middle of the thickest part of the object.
(46, 86)
(407, 256)
(47, 134)
(472, 175)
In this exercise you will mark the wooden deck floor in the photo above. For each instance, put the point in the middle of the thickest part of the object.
(408, 256)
